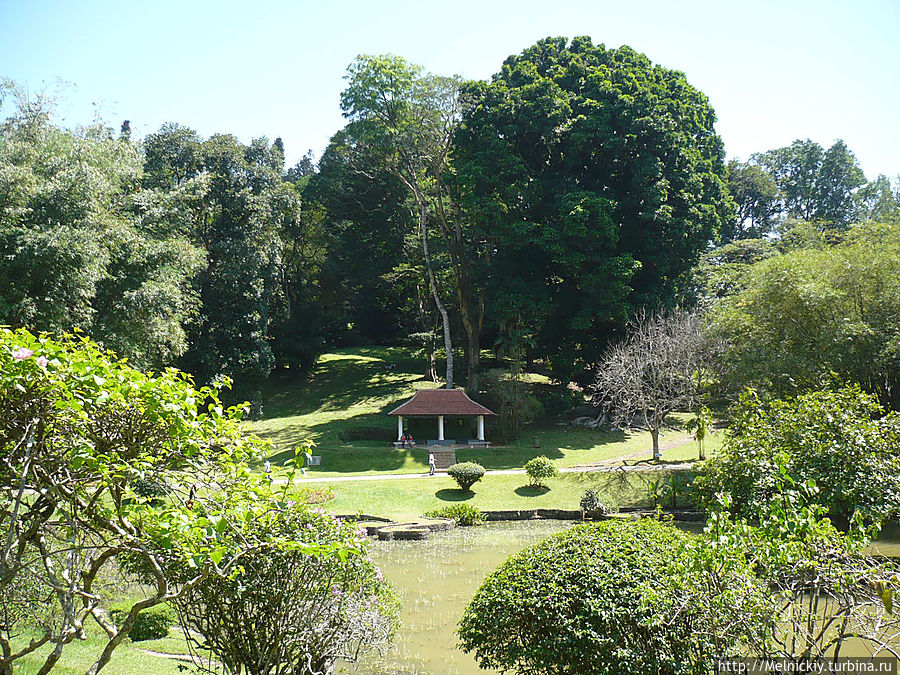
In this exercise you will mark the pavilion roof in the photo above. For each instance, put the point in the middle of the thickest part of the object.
(431, 402)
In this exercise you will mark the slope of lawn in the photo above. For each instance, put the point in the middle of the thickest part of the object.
(354, 389)
(412, 497)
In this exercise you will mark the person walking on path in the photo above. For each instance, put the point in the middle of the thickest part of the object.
(431, 467)
(268, 467)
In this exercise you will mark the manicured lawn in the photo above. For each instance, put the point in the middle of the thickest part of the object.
(128, 659)
(355, 388)
(412, 497)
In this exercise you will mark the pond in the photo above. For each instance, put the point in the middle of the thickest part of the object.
(437, 578)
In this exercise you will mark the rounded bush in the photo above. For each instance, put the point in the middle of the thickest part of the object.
(591, 505)
(152, 623)
(466, 474)
(463, 514)
(583, 601)
(539, 469)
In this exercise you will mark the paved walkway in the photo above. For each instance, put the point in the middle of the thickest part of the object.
(607, 465)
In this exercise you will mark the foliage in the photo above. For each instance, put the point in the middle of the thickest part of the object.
(463, 514)
(815, 184)
(596, 178)
(577, 603)
(539, 469)
(657, 369)
(466, 474)
(84, 245)
(757, 199)
(151, 624)
(665, 490)
(362, 433)
(559, 398)
(840, 439)
(77, 427)
(325, 607)
(699, 425)
(791, 587)
(592, 505)
(512, 399)
(795, 318)
(408, 117)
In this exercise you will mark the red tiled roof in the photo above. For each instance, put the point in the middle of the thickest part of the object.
(431, 402)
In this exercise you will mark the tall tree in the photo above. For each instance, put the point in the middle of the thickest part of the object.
(412, 116)
(595, 178)
(816, 184)
(879, 201)
(756, 197)
(84, 245)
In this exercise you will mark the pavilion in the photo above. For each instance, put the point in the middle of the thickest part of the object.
(441, 403)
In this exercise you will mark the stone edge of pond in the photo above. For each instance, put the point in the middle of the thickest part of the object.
(681, 515)
(414, 530)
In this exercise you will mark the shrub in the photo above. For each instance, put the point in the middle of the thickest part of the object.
(327, 606)
(151, 488)
(591, 505)
(559, 398)
(463, 514)
(363, 434)
(840, 439)
(466, 474)
(585, 601)
(152, 623)
(539, 469)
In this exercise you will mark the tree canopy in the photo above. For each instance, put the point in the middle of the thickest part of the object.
(596, 178)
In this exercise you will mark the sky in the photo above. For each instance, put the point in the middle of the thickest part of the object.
(773, 70)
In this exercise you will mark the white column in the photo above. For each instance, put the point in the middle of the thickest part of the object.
(440, 427)
(481, 427)
(399, 427)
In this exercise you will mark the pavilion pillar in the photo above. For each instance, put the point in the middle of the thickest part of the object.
(399, 427)
(481, 427)
(440, 427)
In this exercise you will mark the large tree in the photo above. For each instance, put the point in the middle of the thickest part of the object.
(756, 197)
(595, 178)
(83, 244)
(789, 321)
(410, 116)
(816, 184)
(246, 212)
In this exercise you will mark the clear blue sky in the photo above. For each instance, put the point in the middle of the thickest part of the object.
(774, 70)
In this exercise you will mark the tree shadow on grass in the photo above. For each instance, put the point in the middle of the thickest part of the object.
(532, 490)
(454, 495)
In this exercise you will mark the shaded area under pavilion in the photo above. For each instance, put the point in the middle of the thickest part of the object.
(441, 403)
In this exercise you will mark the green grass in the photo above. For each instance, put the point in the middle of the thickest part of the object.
(412, 497)
(352, 388)
(128, 659)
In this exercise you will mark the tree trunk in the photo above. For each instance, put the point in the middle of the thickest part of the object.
(474, 358)
(654, 433)
(445, 318)
(426, 328)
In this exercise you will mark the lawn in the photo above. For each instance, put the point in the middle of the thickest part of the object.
(353, 389)
(412, 497)
(128, 659)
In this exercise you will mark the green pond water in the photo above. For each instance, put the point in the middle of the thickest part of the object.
(437, 578)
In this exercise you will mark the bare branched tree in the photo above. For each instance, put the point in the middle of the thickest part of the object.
(657, 369)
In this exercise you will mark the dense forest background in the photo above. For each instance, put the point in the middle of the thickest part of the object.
(534, 214)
